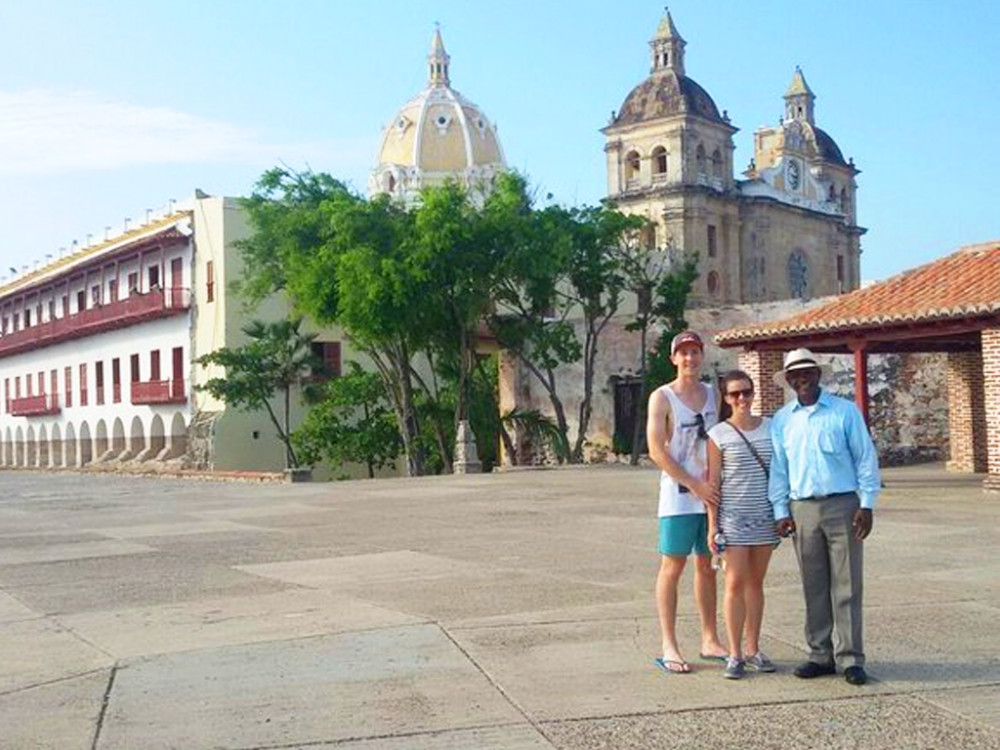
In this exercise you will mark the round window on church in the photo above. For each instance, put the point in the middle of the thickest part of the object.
(713, 283)
(798, 274)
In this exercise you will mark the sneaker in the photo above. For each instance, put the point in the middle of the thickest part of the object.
(760, 663)
(735, 669)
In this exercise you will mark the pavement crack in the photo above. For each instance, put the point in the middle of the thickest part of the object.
(46, 683)
(104, 707)
(498, 687)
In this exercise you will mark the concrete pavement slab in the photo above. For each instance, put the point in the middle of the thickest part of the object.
(981, 704)
(873, 723)
(485, 593)
(270, 510)
(381, 567)
(174, 528)
(517, 737)
(33, 652)
(542, 581)
(224, 622)
(11, 610)
(402, 680)
(55, 552)
(918, 647)
(605, 668)
(58, 715)
(125, 581)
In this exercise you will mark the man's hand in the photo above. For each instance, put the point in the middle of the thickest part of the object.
(785, 526)
(707, 493)
(862, 523)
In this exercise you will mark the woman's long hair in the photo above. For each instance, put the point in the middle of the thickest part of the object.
(726, 411)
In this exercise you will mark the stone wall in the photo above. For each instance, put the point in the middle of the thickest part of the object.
(909, 397)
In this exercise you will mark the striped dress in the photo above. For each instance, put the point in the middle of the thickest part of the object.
(745, 514)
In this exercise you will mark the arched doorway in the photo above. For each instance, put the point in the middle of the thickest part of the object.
(19, 448)
(32, 452)
(157, 436)
(178, 436)
(118, 437)
(69, 445)
(101, 441)
(136, 438)
(56, 444)
(43, 447)
(86, 445)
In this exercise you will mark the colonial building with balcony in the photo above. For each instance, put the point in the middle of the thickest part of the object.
(98, 350)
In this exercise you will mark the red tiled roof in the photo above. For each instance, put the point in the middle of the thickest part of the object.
(962, 285)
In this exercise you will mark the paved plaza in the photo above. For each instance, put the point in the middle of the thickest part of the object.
(502, 611)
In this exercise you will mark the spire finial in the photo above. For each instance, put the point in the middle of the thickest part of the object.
(438, 60)
(667, 45)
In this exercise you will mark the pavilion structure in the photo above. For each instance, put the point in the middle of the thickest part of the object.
(949, 306)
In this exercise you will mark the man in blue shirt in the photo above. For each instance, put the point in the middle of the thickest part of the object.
(823, 484)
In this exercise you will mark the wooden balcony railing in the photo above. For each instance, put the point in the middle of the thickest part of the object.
(159, 392)
(34, 406)
(137, 308)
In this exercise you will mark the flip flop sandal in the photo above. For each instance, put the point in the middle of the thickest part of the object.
(709, 657)
(673, 666)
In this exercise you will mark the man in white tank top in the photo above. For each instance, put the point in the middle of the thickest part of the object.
(678, 418)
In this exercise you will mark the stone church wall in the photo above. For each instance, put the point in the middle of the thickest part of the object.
(909, 397)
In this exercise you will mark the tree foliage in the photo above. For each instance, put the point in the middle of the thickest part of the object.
(276, 359)
(412, 287)
(351, 422)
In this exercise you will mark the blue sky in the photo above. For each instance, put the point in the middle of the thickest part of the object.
(110, 108)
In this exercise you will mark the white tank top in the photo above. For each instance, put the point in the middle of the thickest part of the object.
(687, 449)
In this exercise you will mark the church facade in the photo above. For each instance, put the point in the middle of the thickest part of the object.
(786, 229)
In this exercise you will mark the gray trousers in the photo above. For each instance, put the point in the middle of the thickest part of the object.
(830, 560)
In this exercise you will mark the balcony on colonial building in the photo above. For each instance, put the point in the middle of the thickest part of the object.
(159, 392)
(136, 308)
(34, 406)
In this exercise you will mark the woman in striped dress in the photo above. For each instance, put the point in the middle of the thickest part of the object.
(739, 458)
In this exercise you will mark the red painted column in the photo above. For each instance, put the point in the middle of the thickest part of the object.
(861, 380)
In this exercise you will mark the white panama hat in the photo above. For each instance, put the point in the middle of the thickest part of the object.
(800, 359)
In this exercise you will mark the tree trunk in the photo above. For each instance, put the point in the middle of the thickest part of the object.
(509, 449)
(411, 425)
(548, 381)
(291, 461)
(589, 357)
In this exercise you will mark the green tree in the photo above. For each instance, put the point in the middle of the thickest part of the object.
(351, 422)
(527, 318)
(668, 308)
(343, 260)
(556, 264)
(661, 279)
(276, 358)
(596, 284)
(454, 255)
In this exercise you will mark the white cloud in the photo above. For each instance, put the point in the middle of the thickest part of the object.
(48, 132)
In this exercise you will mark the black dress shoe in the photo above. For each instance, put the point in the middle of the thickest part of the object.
(855, 675)
(809, 669)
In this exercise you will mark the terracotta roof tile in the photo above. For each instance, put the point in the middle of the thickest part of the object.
(963, 284)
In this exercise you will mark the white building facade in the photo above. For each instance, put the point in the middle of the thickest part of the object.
(95, 352)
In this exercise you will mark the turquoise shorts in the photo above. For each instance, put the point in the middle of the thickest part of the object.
(680, 535)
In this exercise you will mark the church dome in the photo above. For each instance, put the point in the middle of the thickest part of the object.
(827, 148)
(665, 94)
(667, 91)
(439, 134)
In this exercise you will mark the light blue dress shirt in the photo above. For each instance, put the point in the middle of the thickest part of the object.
(822, 449)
